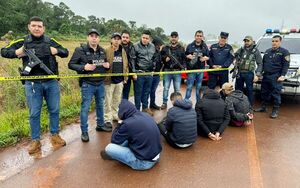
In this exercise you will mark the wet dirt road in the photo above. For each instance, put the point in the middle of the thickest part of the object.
(264, 155)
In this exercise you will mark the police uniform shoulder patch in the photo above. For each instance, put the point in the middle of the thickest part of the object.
(287, 58)
(15, 42)
(54, 40)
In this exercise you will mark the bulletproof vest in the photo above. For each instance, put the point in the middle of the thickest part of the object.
(97, 59)
(41, 49)
(247, 60)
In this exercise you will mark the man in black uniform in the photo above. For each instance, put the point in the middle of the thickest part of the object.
(276, 62)
(90, 58)
(129, 48)
(221, 56)
(173, 57)
(45, 49)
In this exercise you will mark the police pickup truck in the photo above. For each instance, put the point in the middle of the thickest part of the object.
(291, 42)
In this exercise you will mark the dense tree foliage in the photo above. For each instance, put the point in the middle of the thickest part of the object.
(61, 20)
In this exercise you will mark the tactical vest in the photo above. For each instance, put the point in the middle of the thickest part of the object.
(42, 51)
(246, 60)
(91, 58)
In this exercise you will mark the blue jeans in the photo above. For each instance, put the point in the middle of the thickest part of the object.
(126, 89)
(123, 154)
(190, 82)
(87, 93)
(142, 88)
(35, 92)
(167, 82)
(246, 77)
(155, 82)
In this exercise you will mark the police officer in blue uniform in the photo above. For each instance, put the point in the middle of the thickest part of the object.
(276, 62)
(221, 56)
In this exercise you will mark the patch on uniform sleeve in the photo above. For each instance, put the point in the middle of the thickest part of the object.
(287, 58)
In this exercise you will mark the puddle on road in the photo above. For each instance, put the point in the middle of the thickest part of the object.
(16, 158)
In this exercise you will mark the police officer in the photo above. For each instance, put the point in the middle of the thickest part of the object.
(221, 56)
(197, 54)
(276, 62)
(128, 46)
(45, 49)
(91, 58)
(173, 57)
(249, 66)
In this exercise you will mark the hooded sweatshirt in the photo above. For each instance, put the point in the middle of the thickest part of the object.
(181, 122)
(238, 105)
(212, 113)
(139, 129)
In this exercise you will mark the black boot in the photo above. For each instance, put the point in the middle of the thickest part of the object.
(85, 137)
(262, 108)
(275, 112)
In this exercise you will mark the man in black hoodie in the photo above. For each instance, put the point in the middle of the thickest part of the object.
(180, 126)
(135, 141)
(212, 115)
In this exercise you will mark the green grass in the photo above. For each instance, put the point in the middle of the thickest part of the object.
(14, 121)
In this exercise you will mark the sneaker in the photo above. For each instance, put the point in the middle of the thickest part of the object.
(274, 114)
(57, 141)
(108, 125)
(164, 106)
(85, 137)
(147, 110)
(103, 128)
(104, 155)
(155, 107)
(34, 147)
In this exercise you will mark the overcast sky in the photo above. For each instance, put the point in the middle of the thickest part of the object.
(238, 17)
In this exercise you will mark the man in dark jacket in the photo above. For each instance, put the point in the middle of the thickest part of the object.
(197, 54)
(158, 66)
(136, 140)
(238, 106)
(90, 58)
(221, 56)
(45, 49)
(212, 115)
(276, 62)
(144, 55)
(173, 57)
(180, 126)
(129, 48)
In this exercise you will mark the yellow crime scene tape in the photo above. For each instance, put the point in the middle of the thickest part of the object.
(70, 76)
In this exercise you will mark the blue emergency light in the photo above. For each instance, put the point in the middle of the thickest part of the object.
(269, 31)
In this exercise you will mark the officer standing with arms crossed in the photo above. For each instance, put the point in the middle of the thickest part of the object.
(45, 49)
(276, 62)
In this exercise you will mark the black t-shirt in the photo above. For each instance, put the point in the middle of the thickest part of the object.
(117, 67)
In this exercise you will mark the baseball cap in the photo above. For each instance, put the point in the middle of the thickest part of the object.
(93, 31)
(116, 34)
(224, 34)
(174, 33)
(157, 41)
(248, 38)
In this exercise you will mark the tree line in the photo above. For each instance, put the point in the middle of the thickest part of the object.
(61, 20)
